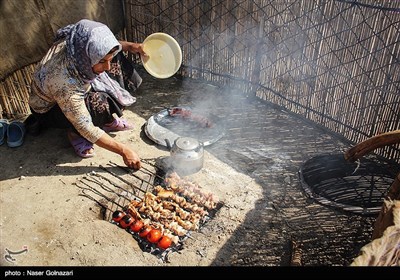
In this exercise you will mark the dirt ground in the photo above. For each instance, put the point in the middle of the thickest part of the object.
(42, 210)
(253, 169)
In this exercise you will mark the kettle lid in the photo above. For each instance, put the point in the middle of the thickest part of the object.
(187, 143)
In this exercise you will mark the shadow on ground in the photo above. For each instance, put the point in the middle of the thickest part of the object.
(261, 141)
(269, 145)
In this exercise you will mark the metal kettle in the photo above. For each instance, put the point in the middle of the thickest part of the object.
(187, 155)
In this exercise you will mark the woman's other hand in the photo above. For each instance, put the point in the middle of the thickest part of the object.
(133, 48)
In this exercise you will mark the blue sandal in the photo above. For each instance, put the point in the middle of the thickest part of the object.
(3, 130)
(15, 134)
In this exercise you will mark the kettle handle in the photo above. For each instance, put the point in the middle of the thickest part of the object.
(168, 143)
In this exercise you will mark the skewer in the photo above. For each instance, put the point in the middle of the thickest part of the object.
(104, 207)
(95, 200)
(153, 165)
(104, 187)
(94, 180)
(97, 192)
(149, 172)
(129, 171)
(93, 173)
(146, 171)
(190, 237)
(122, 179)
(90, 188)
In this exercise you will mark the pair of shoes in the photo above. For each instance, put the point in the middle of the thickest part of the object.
(119, 124)
(81, 145)
(14, 131)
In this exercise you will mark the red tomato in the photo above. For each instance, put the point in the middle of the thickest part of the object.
(154, 235)
(126, 221)
(137, 226)
(164, 242)
(145, 231)
(117, 216)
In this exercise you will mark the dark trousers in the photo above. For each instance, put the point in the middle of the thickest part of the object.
(100, 105)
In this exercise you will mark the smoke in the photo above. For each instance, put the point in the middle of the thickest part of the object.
(220, 61)
(226, 67)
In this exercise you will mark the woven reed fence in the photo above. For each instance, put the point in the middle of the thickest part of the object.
(14, 94)
(334, 62)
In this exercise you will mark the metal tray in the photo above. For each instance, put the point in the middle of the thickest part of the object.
(165, 129)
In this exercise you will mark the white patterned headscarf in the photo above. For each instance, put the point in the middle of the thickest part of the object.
(87, 43)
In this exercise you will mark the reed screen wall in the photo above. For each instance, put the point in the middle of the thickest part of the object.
(334, 62)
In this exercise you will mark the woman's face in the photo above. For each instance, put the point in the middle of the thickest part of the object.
(103, 65)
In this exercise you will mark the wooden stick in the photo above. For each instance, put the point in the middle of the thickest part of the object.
(375, 142)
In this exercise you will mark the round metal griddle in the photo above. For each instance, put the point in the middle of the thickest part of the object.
(164, 129)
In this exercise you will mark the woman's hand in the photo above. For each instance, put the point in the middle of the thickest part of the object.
(131, 159)
(133, 48)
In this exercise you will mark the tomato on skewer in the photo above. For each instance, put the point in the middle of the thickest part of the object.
(126, 221)
(154, 235)
(117, 216)
(165, 242)
(145, 231)
(137, 226)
